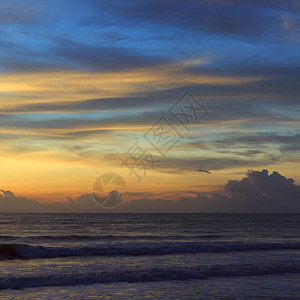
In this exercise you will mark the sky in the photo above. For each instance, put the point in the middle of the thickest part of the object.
(83, 82)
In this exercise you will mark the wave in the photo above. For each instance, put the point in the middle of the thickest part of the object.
(24, 251)
(112, 237)
(149, 274)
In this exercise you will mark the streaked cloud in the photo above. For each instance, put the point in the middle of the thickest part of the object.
(80, 81)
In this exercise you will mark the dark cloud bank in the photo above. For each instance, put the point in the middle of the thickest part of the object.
(258, 192)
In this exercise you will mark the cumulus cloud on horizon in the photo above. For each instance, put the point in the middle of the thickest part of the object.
(257, 192)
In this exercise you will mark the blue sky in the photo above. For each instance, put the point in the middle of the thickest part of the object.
(82, 80)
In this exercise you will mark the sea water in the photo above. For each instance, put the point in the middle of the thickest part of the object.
(149, 256)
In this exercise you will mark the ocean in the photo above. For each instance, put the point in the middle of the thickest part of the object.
(149, 256)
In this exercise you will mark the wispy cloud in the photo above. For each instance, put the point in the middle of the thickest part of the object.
(80, 81)
(204, 171)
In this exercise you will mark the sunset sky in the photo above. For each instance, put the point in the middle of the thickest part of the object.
(82, 81)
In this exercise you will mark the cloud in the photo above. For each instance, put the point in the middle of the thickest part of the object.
(244, 18)
(264, 192)
(286, 144)
(127, 111)
(131, 34)
(187, 164)
(204, 171)
(101, 58)
(12, 13)
(257, 192)
(11, 203)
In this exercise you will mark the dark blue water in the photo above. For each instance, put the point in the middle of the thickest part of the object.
(151, 256)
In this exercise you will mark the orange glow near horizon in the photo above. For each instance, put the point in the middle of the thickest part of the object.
(49, 163)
